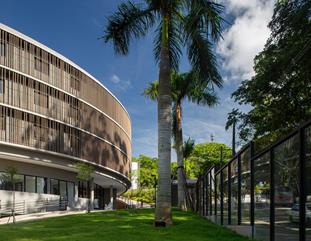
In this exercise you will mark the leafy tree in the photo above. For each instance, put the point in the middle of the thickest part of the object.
(147, 176)
(85, 174)
(206, 155)
(190, 24)
(183, 86)
(9, 176)
(280, 90)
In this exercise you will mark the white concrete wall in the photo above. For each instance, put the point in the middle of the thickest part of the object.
(26, 202)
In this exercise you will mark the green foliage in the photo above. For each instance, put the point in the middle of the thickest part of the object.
(280, 90)
(85, 171)
(206, 155)
(148, 175)
(141, 195)
(188, 147)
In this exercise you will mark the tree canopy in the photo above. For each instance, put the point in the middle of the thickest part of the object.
(279, 92)
(204, 156)
(147, 175)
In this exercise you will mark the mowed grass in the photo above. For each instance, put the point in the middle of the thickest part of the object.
(127, 225)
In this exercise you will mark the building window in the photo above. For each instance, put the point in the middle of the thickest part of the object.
(54, 186)
(70, 190)
(2, 49)
(41, 185)
(6, 184)
(63, 189)
(23, 183)
(83, 189)
(30, 184)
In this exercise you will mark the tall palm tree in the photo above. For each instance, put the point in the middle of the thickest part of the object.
(179, 23)
(183, 86)
(232, 119)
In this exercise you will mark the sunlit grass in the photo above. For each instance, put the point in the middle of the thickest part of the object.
(132, 225)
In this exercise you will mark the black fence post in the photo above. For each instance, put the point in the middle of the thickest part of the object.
(197, 195)
(210, 193)
(252, 187)
(302, 181)
(239, 190)
(204, 195)
(272, 204)
(229, 194)
(215, 191)
(221, 199)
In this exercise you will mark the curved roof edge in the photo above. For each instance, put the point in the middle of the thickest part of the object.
(44, 47)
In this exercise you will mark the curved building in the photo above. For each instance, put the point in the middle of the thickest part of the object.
(54, 114)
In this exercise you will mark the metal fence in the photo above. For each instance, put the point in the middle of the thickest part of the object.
(26, 207)
(267, 193)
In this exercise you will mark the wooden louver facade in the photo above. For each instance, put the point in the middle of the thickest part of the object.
(48, 103)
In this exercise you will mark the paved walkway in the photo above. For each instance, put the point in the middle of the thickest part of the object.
(36, 216)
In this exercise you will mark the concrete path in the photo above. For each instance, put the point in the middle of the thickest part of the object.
(36, 216)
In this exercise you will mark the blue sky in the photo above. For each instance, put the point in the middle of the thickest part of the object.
(72, 28)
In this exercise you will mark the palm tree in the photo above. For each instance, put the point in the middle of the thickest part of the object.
(232, 119)
(179, 23)
(183, 86)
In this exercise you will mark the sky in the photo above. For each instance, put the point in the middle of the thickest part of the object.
(73, 28)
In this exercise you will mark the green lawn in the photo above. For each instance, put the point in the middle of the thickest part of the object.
(133, 225)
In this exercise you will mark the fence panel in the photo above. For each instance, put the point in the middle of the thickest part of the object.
(270, 192)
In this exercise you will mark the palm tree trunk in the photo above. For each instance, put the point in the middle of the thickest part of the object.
(180, 161)
(163, 203)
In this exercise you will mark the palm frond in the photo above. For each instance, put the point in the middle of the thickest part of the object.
(129, 21)
(206, 97)
(188, 147)
(207, 13)
(151, 92)
(175, 42)
(201, 56)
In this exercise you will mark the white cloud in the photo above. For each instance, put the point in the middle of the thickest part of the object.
(121, 84)
(246, 37)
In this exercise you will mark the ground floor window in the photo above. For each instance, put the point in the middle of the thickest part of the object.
(41, 185)
(84, 189)
(63, 188)
(30, 184)
(23, 183)
(99, 202)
